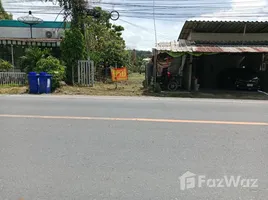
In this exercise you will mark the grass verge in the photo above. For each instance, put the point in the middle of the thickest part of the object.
(13, 89)
(133, 87)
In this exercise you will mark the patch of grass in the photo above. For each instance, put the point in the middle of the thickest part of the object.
(9, 89)
(132, 87)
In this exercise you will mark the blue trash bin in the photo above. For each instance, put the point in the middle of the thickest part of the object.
(33, 80)
(44, 83)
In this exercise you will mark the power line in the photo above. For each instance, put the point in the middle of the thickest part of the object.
(176, 17)
(170, 10)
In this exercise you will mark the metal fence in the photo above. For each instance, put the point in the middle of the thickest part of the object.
(85, 73)
(13, 78)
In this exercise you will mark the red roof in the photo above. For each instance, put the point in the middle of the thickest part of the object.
(230, 49)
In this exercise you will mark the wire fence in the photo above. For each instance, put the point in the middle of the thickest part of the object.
(13, 78)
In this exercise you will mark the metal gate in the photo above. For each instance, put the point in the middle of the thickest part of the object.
(85, 73)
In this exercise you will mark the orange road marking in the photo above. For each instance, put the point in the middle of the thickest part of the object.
(137, 119)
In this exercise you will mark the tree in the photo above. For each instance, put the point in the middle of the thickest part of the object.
(136, 61)
(3, 13)
(72, 50)
(76, 9)
(104, 40)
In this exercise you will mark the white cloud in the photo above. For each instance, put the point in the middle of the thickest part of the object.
(246, 10)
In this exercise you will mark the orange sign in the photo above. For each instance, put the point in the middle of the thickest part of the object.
(119, 74)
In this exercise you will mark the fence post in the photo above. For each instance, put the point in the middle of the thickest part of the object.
(92, 72)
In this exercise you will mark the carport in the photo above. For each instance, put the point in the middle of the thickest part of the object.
(206, 61)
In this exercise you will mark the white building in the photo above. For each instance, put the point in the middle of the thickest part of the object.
(44, 34)
(15, 36)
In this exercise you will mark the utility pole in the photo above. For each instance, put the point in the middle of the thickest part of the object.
(155, 31)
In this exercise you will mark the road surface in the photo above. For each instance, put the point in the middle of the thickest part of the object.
(96, 148)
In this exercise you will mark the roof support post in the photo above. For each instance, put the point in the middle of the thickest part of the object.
(155, 53)
(190, 69)
(244, 33)
(12, 57)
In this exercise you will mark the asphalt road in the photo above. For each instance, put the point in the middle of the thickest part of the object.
(96, 148)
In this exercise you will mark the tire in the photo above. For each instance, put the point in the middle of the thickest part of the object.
(173, 86)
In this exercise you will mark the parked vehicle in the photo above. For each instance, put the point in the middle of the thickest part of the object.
(238, 78)
(168, 81)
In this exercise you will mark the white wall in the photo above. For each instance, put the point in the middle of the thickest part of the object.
(233, 37)
(22, 32)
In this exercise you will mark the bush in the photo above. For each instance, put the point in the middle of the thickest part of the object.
(52, 66)
(32, 56)
(5, 66)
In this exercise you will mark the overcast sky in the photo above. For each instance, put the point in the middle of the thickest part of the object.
(137, 15)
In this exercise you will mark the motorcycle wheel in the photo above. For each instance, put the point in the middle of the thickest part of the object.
(173, 86)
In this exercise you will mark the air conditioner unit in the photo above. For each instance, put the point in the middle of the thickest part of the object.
(50, 34)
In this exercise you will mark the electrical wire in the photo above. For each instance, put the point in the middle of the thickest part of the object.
(169, 10)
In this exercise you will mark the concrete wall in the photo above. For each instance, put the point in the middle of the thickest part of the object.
(24, 32)
(233, 37)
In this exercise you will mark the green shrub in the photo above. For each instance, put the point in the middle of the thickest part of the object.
(52, 66)
(5, 66)
(32, 56)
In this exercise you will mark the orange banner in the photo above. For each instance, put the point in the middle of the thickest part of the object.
(119, 74)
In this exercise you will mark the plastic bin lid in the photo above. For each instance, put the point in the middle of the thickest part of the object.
(32, 73)
(43, 74)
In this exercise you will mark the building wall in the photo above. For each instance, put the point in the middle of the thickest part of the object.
(16, 29)
(230, 37)
(24, 32)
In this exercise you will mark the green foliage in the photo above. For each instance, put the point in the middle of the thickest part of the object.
(72, 50)
(51, 66)
(136, 62)
(104, 40)
(5, 66)
(3, 13)
(32, 56)
(143, 54)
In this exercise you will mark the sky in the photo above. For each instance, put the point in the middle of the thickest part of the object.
(138, 16)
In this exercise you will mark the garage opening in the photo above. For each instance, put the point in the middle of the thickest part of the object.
(228, 71)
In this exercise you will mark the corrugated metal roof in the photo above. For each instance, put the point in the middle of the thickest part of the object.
(176, 46)
(223, 27)
(191, 47)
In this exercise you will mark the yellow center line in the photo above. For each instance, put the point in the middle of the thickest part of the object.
(137, 119)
